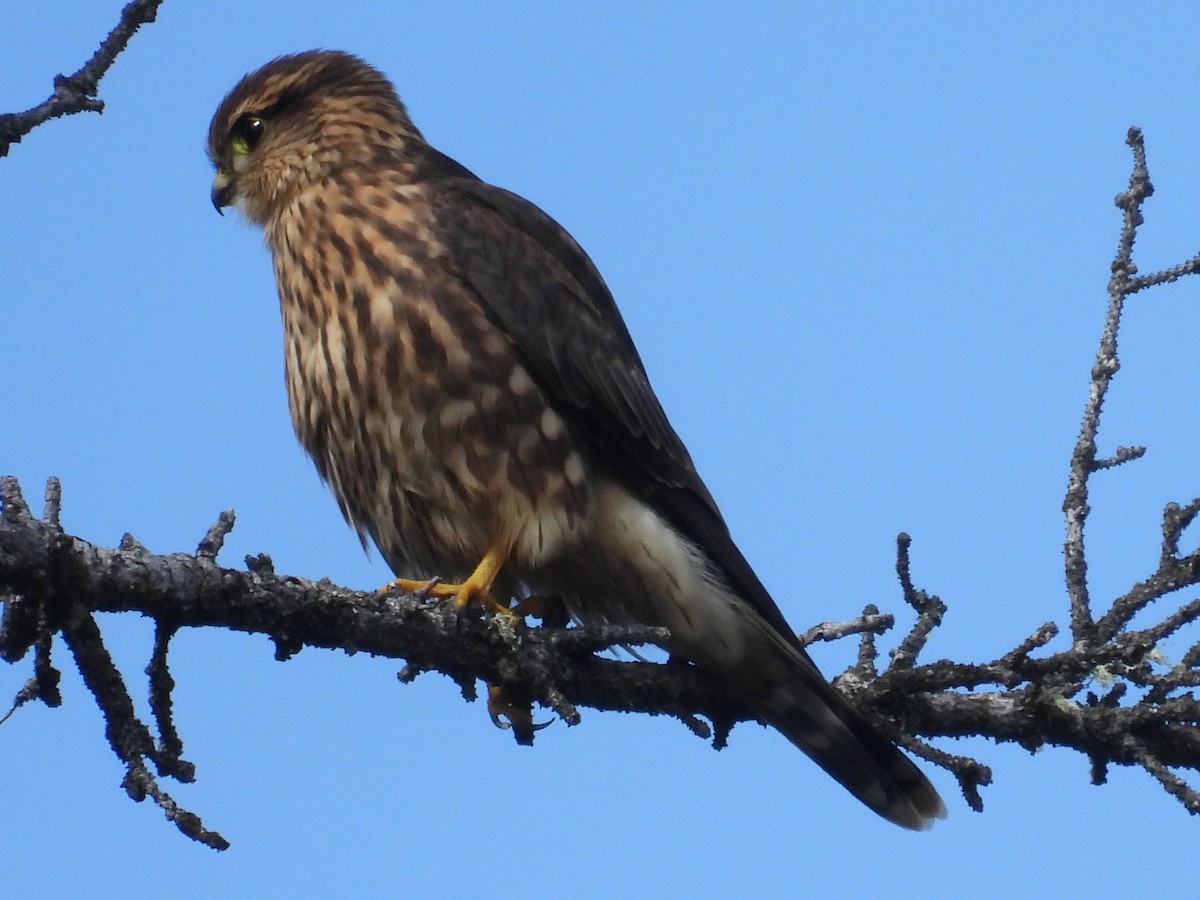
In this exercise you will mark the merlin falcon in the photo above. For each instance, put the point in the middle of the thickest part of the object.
(463, 381)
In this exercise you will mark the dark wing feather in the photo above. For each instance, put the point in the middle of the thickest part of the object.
(540, 287)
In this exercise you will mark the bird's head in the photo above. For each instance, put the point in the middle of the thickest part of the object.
(296, 120)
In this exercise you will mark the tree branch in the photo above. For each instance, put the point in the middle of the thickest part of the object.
(1108, 695)
(76, 93)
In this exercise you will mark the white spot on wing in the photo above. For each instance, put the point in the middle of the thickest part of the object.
(455, 412)
(573, 468)
(519, 381)
(551, 425)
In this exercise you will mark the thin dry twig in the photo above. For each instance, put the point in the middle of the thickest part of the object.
(76, 93)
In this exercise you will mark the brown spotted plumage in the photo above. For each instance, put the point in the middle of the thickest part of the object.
(460, 375)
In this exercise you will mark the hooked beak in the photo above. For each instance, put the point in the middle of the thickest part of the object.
(222, 190)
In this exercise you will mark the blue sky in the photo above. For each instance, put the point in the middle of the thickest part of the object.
(863, 250)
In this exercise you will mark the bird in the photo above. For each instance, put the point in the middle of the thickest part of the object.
(461, 376)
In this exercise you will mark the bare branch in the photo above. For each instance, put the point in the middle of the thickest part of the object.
(76, 93)
(1083, 459)
(929, 608)
(214, 538)
(867, 623)
(169, 753)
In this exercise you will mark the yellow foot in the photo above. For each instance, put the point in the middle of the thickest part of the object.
(475, 589)
(412, 586)
(463, 594)
(507, 713)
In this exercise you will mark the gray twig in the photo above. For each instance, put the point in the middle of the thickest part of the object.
(76, 93)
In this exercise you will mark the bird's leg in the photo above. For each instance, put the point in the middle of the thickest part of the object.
(475, 588)
(478, 585)
(507, 712)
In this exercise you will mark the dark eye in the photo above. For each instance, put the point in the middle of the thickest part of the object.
(247, 131)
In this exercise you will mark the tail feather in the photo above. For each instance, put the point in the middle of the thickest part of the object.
(822, 723)
(795, 699)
